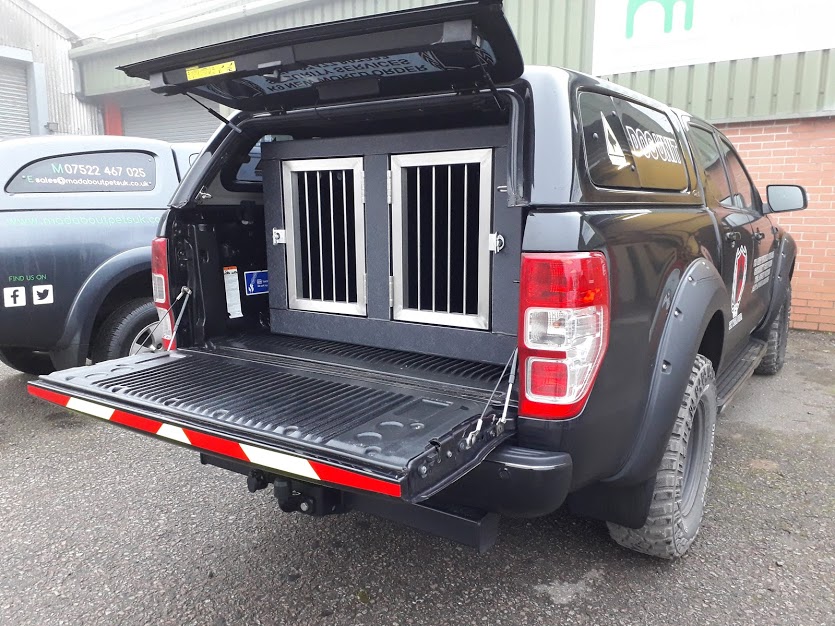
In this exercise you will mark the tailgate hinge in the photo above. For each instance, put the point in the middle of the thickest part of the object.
(490, 84)
(391, 292)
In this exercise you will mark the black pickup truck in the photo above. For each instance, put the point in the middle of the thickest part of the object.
(77, 215)
(452, 287)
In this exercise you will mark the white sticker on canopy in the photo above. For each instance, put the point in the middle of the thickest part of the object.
(616, 155)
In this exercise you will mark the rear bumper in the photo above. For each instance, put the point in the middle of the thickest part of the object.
(514, 481)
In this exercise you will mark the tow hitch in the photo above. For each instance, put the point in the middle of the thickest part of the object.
(470, 527)
(305, 498)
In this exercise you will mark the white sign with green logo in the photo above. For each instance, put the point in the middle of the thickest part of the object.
(633, 35)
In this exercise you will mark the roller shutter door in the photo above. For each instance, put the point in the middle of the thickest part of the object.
(14, 111)
(175, 119)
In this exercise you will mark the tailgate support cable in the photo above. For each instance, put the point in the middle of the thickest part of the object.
(185, 291)
(471, 438)
(511, 379)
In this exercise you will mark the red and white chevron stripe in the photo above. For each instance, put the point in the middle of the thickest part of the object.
(270, 459)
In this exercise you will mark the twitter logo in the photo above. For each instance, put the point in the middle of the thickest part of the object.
(42, 294)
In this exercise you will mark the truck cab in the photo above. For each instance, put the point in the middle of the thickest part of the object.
(451, 287)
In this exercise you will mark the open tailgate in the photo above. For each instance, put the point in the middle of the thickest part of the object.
(453, 46)
(376, 420)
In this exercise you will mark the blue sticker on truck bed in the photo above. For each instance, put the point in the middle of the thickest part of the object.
(256, 282)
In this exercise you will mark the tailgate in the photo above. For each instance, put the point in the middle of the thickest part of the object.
(383, 428)
(422, 50)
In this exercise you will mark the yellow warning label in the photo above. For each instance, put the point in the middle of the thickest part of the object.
(194, 73)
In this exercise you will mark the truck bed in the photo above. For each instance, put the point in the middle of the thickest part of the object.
(395, 416)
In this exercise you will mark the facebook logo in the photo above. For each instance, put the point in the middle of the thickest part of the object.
(14, 296)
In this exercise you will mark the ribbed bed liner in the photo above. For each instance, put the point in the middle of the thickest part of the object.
(383, 411)
(277, 402)
(391, 361)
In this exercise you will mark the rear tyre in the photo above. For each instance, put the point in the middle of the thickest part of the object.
(675, 514)
(27, 361)
(778, 337)
(130, 329)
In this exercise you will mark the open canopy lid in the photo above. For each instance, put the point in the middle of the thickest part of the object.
(450, 46)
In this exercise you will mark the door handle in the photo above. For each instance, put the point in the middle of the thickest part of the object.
(759, 235)
(733, 236)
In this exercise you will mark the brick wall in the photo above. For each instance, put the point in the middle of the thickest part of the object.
(800, 152)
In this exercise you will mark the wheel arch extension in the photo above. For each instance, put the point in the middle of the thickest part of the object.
(696, 322)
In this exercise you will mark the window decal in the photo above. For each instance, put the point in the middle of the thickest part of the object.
(90, 171)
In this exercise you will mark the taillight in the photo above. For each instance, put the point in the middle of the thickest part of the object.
(563, 331)
(161, 289)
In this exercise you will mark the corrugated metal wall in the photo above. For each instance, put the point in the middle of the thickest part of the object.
(778, 87)
(172, 119)
(553, 32)
(550, 32)
(14, 114)
(20, 29)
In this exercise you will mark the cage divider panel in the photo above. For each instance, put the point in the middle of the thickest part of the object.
(377, 236)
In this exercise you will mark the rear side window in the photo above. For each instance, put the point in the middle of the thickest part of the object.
(743, 197)
(250, 172)
(244, 172)
(709, 160)
(89, 171)
(630, 146)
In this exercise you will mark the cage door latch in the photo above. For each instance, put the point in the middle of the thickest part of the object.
(279, 236)
(495, 243)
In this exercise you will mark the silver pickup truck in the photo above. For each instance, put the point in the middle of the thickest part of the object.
(77, 216)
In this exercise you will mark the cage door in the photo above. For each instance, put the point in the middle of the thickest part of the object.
(325, 224)
(441, 210)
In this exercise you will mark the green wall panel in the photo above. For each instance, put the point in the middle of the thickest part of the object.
(783, 86)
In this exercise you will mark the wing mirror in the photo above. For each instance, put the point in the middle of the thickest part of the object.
(783, 198)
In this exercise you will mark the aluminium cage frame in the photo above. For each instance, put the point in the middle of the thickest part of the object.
(292, 210)
(481, 158)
